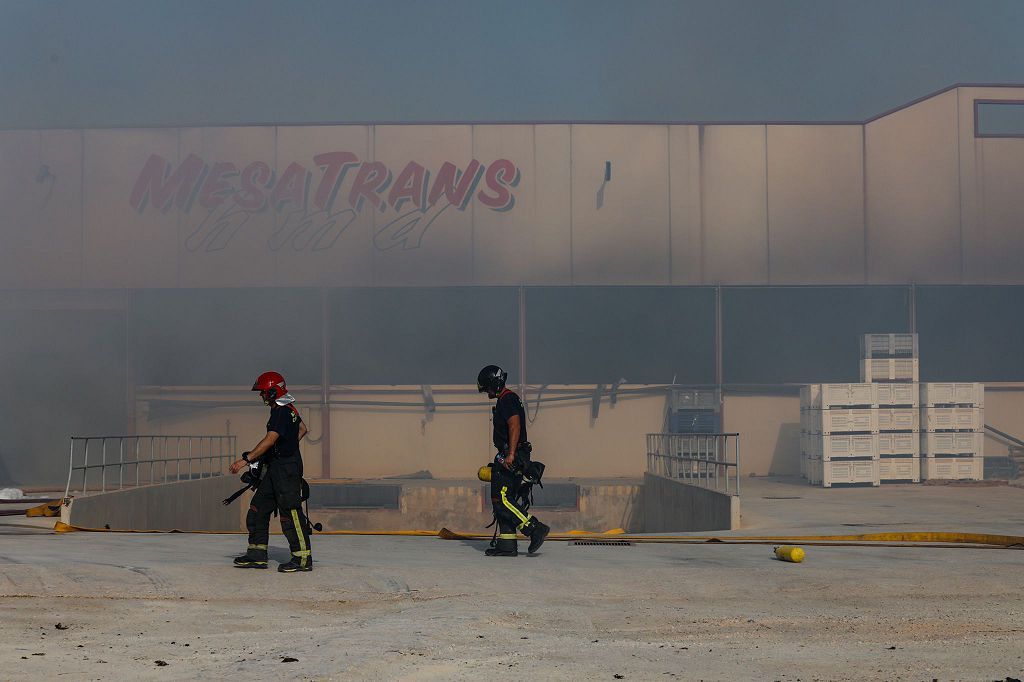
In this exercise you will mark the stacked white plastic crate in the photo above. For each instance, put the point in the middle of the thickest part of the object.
(898, 432)
(890, 427)
(839, 434)
(890, 362)
(952, 431)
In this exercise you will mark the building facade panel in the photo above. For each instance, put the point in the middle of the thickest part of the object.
(816, 204)
(41, 196)
(503, 237)
(222, 244)
(620, 226)
(551, 239)
(685, 204)
(135, 191)
(333, 244)
(735, 204)
(416, 247)
(913, 200)
(990, 193)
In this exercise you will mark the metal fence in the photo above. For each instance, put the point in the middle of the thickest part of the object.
(708, 460)
(144, 460)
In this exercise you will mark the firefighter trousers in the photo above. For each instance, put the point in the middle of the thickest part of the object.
(511, 515)
(280, 489)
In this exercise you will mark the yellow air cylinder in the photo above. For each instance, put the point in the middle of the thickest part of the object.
(789, 553)
(484, 473)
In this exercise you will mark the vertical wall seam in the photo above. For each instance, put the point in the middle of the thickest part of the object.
(767, 216)
(325, 381)
(912, 308)
(274, 217)
(864, 199)
(719, 341)
(700, 199)
(982, 203)
(668, 133)
(959, 187)
(522, 341)
(533, 212)
(81, 209)
(472, 212)
(572, 252)
(371, 154)
(129, 364)
(179, 217)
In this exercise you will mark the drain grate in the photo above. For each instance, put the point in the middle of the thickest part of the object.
(603, 543)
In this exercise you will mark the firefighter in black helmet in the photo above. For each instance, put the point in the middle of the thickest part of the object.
(509, 420)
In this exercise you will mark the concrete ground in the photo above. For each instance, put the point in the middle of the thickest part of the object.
(790, 504)
(425, 608)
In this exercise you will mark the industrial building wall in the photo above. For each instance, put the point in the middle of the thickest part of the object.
(912, 196)
(568, 253)
(369, 441)
(372, 442)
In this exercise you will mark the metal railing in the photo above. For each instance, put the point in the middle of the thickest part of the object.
(146, 460)
(708, 460)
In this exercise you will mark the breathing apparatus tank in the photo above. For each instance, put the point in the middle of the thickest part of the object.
(789, 553)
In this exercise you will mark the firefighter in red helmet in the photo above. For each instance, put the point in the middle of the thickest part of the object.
(280, 486)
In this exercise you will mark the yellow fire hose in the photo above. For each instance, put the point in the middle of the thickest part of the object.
(51, 509)
(919, 539)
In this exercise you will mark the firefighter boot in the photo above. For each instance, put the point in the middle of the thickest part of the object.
(537, 532)
(254, 557)
(505, 546)
(297, 564)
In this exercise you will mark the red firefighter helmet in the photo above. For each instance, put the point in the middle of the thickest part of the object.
(271, 386)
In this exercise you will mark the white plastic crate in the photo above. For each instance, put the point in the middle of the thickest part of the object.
(899, 419)
(952, 419)
(900, 469)
(857, 420)
(899, 443)
(889, 369)
(904, 394)
(953, 468)
(839, 445)
(888, 346)
(953, 444)
(972, 394)
(846, 471)
(824, 396)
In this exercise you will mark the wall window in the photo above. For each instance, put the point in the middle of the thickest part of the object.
(994, 118)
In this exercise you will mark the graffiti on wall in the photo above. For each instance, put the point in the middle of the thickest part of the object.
(314, 205)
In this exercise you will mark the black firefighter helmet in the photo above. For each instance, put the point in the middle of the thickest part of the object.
(491, 380)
